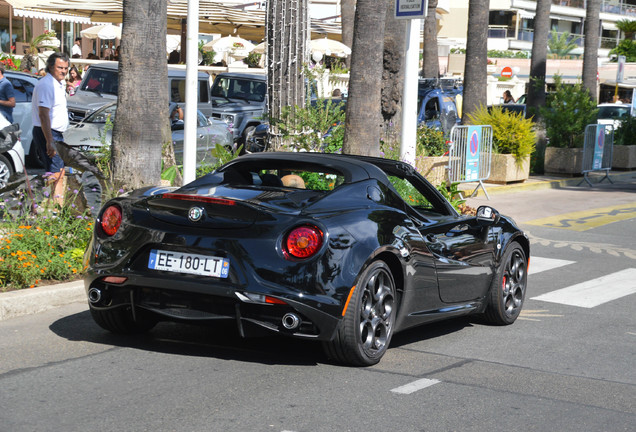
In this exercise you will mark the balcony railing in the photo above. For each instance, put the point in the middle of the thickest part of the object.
(615, 7)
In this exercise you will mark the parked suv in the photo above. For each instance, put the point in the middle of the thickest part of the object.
(100, 84)
(239, 100)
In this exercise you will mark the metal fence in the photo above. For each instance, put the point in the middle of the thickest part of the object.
(597, 150)
(470, 155)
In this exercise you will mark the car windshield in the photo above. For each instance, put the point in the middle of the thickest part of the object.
(101, 81)
(613, 112)
(239, 88)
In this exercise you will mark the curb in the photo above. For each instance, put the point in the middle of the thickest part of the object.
(34, 300)
(554, 183)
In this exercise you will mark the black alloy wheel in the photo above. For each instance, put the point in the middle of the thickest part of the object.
(508, 288)
(367, 327)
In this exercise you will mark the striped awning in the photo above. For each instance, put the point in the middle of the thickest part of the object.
(33, 13)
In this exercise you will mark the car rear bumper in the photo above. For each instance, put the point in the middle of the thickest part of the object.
(193, 300)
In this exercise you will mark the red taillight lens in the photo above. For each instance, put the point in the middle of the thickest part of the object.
(111, 220)
(304, 241)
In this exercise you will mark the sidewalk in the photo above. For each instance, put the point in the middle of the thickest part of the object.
(537, 197)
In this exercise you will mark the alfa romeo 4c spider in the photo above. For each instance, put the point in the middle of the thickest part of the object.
(341, 249)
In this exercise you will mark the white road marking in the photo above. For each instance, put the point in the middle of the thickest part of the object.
(538, 264)
(415, 386)
(596, 291)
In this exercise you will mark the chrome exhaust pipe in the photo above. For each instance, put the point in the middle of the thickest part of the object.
(94, 295)
(291, 321)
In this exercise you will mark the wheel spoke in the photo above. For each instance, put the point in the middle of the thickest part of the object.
(376, 312)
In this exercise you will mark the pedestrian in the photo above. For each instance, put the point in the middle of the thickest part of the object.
(73, 81)
(49, 113)
(7, 96)
(507, 97)
(76, 51)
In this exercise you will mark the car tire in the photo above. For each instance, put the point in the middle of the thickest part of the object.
(508, 288)
(247, 133)
(121, 320)
(367, 327)
(6, 171)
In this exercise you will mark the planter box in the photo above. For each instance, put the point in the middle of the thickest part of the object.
(563, 161)
(433, 168)
(504, 169)
(624, 157)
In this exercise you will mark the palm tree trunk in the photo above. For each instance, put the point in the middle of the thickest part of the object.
(430, 58)
(142, 127)
(347, 18)
(590, 53)
(287, 25)
(536, 90)
(393, 74)
(362, 125)
(475, 73)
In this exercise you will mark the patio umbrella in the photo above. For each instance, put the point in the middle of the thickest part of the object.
(329, 47)
(105, 31)
(234, 46)
(260, 48)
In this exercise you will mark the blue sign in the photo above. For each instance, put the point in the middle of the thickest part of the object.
(598, 147)
(410, 9)
(473, 138)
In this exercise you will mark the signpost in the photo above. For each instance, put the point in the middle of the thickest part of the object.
(414, 11)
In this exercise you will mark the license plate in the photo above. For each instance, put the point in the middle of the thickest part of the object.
(203, 265)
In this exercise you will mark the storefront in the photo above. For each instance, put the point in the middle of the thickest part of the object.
(18, 27)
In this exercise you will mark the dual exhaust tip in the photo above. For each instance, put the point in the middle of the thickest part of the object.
(94, 295)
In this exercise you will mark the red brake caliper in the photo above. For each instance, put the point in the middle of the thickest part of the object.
(503, 284)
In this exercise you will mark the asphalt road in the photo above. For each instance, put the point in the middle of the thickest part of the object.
(560, 367)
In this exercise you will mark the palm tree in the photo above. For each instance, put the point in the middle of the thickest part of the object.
(393, 74)
(536, 90)
(285, 84)
(592, 40)
(475, 73)
(142, 126)
(362, 125)
(561, 44)
(628, 27)
(347, 18)
(430, 66)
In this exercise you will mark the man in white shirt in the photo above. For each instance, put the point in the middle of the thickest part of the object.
(48, 110)
(76, 51)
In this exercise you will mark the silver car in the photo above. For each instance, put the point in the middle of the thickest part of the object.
(91, 133)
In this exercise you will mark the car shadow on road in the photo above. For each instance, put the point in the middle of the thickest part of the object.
(219, 340)
(433, 330)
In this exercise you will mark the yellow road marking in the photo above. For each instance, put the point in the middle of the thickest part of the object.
(586, 219)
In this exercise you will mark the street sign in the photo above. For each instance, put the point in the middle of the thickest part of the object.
(506, 72)
(410, 9)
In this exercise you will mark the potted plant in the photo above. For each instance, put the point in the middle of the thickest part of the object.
(431, 146)
(45, 40)
(513, 140)
(567, 113)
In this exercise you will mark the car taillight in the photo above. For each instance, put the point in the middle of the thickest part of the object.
(111, 220)
(303, 241)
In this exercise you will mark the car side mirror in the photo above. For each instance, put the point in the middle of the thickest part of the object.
(487, 215)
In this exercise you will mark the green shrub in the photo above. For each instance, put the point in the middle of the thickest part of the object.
(512, 133)
(567, 112)
(430, 142)
(625, 134)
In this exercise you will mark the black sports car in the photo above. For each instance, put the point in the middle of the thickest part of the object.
(342, 249)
